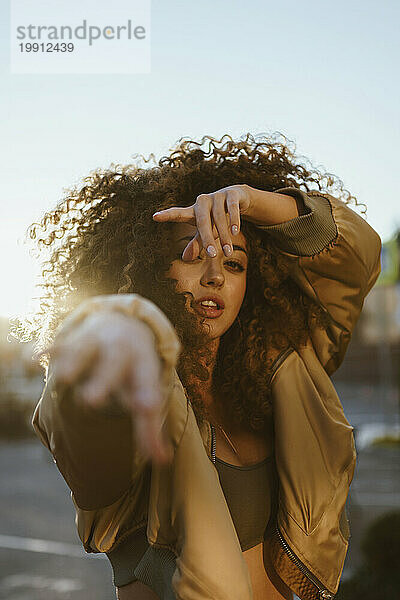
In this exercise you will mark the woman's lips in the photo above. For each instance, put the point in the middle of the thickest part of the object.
(211, 312)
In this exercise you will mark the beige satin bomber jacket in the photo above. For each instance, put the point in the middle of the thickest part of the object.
(335, 259)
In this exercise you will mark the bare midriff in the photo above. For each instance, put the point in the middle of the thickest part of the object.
(265, 587)
(266, 584)
(252, 449)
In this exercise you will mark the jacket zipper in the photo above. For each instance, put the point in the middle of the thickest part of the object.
(323, 593)
(213, 443)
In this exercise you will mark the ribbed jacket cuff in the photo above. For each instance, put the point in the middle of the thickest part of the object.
(127, 556)
(309, 233)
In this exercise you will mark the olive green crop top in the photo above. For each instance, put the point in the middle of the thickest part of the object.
(250, 493)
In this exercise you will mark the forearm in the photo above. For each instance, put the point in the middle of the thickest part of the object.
(270, 208)
(333, 256)
(92, 448)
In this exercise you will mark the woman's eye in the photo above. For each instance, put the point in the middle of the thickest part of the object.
(233, 264)
(236, 265)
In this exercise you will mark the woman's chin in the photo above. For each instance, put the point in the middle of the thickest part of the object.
(213, 329)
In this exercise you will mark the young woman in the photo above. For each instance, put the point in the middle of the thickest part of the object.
(201, 306)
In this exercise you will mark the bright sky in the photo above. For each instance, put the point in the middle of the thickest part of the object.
(324, 74)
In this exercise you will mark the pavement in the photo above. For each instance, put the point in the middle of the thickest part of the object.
(40, 554)
(36, 512)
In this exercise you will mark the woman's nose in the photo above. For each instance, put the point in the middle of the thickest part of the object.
(213, 274)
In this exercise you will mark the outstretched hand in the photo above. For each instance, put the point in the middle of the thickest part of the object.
(112, 354)
(215, 215)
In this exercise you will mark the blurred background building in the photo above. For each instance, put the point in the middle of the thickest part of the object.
(373, 354)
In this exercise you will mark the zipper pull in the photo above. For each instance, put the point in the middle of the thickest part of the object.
(326, 595)
(323, 593)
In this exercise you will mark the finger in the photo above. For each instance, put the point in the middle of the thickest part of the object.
(150, 438)
(176, 214)
(232, 204)
(220, 218)
(144, 376)
(202, 211)
(108, 375)
(147, 403)
(73, 357)
(126, 398)
(194, 247)
(147, 415)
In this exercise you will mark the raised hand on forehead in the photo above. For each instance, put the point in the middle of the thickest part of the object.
(216, 214)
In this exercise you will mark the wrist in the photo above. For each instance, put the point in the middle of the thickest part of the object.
(270, 208)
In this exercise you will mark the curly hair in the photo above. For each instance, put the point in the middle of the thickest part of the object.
(101, 239)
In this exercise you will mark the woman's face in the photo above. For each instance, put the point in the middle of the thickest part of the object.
(215, 286)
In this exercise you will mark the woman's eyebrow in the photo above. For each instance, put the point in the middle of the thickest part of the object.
(235, 246)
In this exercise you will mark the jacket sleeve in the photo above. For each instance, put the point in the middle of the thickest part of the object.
(94, 448)
(334, 257)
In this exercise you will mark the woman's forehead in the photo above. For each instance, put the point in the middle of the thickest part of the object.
(183, 230)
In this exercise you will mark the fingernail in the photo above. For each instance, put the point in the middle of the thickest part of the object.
(235, 229)
(211, 251)
(227, 250)
(156, 213)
